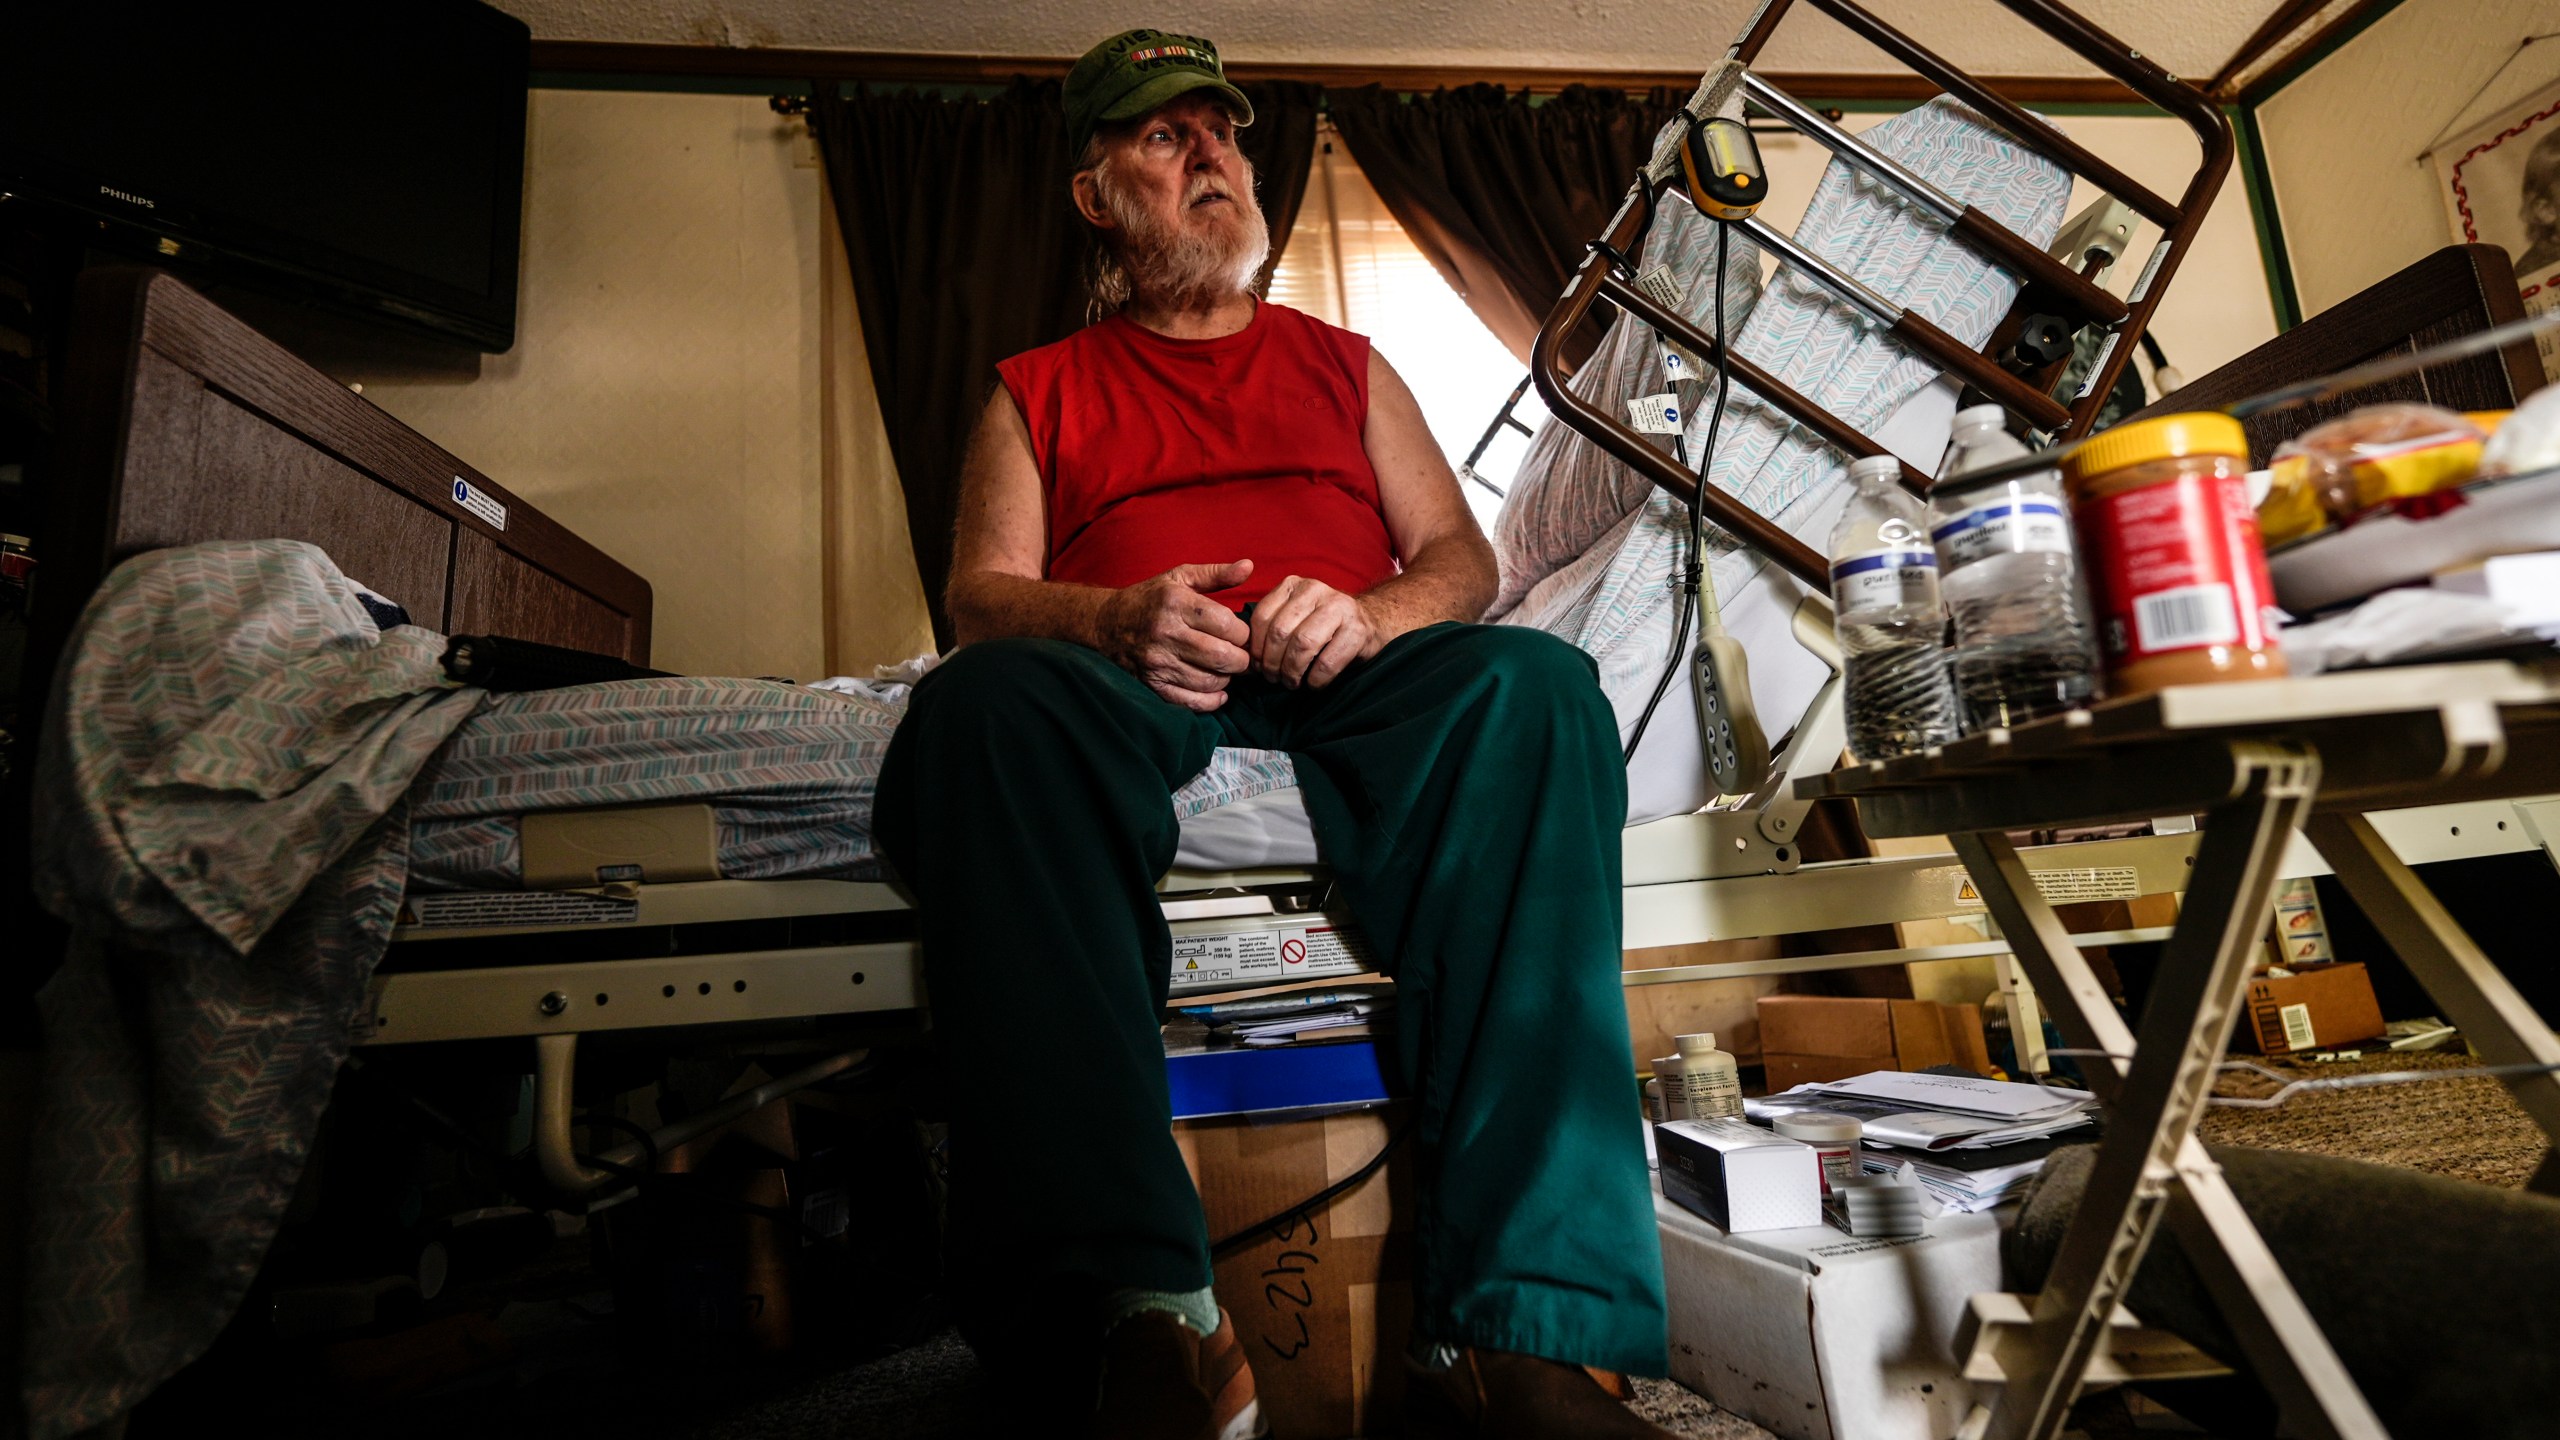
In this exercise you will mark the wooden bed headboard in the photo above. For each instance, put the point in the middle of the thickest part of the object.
(182, 424)
(2457, 291)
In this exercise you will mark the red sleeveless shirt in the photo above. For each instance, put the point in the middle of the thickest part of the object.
(1156, 452)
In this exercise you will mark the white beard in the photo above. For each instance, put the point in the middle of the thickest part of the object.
(1181, 267)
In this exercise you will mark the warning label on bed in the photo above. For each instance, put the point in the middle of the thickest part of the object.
(1266, 957)
(515, 907)
(2067, 887)
(479, 502)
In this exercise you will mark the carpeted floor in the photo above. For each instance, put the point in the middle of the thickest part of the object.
(2466, 1129)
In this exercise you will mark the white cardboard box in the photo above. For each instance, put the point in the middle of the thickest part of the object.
(1738, 1175)
(1820, 1335)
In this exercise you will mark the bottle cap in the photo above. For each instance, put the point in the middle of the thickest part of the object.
(1819, 1128)
(1975, 417)
(2167, 438)
(1698, 1044)
(1874, 467)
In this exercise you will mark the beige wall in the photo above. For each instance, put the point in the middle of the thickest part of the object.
(2343, 141)
(2217, 306)
(669, 394)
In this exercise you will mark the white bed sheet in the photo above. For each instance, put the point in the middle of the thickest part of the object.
(1271, 828)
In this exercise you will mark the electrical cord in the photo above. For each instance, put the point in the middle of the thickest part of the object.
(1690, 570)
(1318, 1200)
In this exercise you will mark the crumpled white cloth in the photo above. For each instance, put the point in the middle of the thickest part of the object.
(2392, 624)
(888, 684)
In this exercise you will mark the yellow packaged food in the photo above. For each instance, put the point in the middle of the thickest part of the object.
(2292, 507)
(2418, 467)
(2383, 453)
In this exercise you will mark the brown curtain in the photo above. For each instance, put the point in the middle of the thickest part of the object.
(1499, 193)
(964, 248)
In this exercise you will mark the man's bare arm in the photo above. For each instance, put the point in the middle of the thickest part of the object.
(1448, 566)
(1165, 631)
(1306, 631)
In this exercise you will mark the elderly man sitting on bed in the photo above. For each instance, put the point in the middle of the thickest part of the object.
(1209, 520)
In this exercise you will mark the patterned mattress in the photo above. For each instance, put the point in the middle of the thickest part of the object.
(789, 771)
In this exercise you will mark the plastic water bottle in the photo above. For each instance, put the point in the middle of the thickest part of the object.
(2006, 563)
(1884, 582)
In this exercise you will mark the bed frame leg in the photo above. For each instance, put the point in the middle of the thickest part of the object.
(555, 1068)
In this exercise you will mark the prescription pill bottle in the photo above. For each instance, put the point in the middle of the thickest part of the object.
(1834, 1139)
(2169, 542)
(1710, 1080)
(1675, 1100)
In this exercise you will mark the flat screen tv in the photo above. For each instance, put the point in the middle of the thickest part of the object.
(368, 157)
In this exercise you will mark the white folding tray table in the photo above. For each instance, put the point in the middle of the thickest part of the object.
(2256, 760)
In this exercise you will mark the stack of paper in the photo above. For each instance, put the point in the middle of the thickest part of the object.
(1936, 1112)
(1307, 1017)
(1964, 1191)
(1970, 1142)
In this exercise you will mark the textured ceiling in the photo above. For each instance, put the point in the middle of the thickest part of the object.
(2190, 37)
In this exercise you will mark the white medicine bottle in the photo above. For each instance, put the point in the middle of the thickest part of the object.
(1710, 1079)
(1666, 1080)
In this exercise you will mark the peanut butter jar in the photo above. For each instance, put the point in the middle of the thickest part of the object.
(2169, 541)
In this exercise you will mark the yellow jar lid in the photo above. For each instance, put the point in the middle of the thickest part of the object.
(2165, 438)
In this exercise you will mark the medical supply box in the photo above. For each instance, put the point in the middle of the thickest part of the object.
(1820, 1335)
(1738, 1175)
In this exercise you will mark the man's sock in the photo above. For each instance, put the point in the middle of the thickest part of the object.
(1197, 1308)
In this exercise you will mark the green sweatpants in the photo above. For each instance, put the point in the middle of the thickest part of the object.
(1467, 793)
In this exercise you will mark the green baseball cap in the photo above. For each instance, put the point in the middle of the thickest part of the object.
(1136, 71)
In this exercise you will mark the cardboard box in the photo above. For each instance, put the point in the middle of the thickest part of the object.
(2318, 1007)
(1786, 1072)
(1323, 1304)
(1807, 1038)
(1822, 1336)
(1738, 1175)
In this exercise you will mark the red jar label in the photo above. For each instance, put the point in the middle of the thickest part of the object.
(2177, 566)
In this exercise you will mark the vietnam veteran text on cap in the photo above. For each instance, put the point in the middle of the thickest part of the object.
(1136, 71)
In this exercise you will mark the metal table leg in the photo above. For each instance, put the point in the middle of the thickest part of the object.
(2156, 1084)
(2476, 997)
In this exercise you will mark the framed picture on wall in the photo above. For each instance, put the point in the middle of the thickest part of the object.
(2501, 184)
